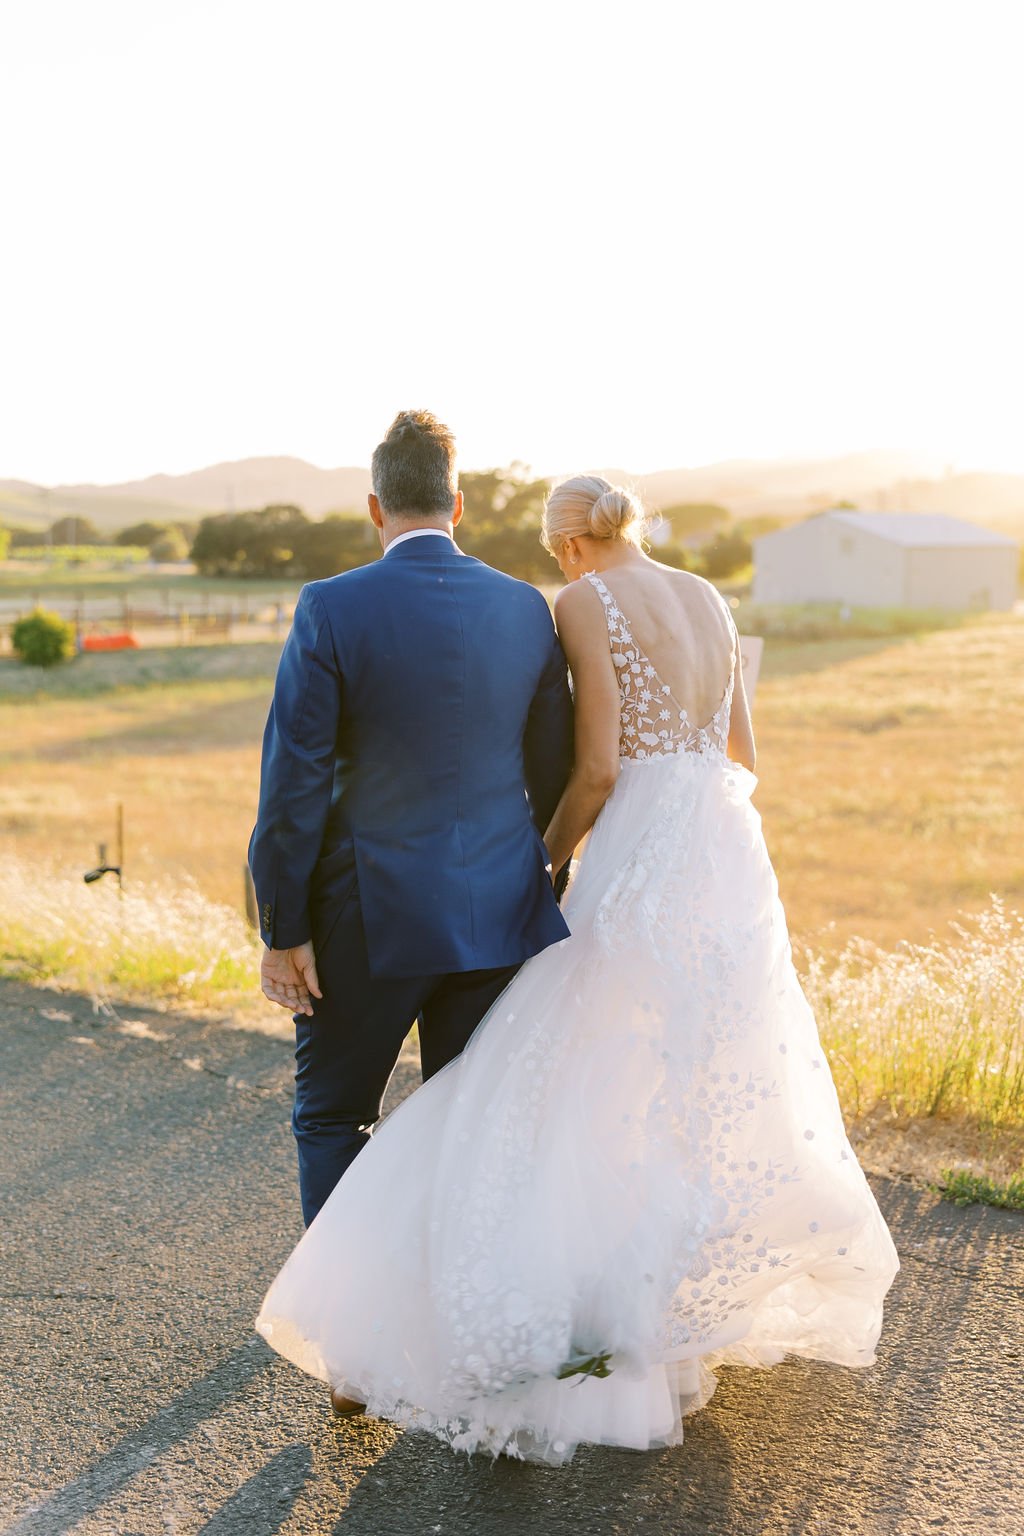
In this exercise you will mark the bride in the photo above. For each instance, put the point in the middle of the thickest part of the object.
(637, 1171)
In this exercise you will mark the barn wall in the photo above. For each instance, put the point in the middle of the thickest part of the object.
(826, 561)
(866, 571)
(788, 564)
(962, 578)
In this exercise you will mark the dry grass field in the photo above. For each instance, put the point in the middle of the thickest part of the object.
(183, 758)
(892, 793)
(891, 772)
(892, 779)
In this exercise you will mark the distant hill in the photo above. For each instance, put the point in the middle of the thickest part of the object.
(874, 482)
(749, 488)
(242, 484)
(34, 506)
(752, 486)
(234, 486)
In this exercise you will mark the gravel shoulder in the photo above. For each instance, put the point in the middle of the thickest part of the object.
(148, 1196)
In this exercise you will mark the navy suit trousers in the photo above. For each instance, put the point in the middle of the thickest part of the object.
(347, 1050)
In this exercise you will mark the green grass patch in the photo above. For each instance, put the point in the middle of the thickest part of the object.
(58, 555)
(835, 621)
(90, 675)
(973, 1189)
(137, 581)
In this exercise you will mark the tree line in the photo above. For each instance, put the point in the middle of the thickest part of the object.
(166, 541)
(501, 526)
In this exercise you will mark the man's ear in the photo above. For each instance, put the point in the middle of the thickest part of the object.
(376, 515)
(457, 510)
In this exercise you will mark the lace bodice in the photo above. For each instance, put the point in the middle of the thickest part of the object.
(651, 722)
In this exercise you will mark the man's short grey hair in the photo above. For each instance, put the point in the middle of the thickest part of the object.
(413, 469)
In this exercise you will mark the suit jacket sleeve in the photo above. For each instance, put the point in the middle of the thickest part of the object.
(297, 776)
(548, 744)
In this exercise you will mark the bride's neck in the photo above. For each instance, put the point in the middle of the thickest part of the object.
(611, 554)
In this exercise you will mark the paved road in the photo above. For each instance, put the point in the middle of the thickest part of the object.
(149, 1195)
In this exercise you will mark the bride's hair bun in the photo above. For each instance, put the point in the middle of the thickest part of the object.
(588, 504)
(614, 512)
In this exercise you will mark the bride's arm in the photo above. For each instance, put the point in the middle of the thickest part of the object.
(583, 631)
(741, 731)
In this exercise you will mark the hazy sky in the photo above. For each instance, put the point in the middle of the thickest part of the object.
(638, 234)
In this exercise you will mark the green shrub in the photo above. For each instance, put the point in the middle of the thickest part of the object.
(145, 534)
(171, 545)
(42, 638)
(74, 530)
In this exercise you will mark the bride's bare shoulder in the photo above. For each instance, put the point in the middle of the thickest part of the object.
(576, 597)
(579, 612)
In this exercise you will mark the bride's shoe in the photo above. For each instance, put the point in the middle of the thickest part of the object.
(347, 1407)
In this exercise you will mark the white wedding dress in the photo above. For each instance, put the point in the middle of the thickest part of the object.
(639, 1160)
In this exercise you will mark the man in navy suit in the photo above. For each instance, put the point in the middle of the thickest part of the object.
(419, 740)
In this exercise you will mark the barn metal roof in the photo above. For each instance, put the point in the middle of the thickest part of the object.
(930, 530)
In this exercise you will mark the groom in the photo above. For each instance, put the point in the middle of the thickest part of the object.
(418, 742)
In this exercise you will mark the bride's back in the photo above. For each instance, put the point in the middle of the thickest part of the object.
(680, 624)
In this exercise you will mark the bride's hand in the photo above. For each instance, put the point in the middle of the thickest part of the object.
(288, 977)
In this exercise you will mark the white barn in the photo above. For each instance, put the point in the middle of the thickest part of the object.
(886, 560)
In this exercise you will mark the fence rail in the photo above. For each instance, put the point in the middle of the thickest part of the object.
(203, 618)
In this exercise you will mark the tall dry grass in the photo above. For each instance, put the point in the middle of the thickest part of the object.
(152, 942)
(928, 1029)
(924, 1030)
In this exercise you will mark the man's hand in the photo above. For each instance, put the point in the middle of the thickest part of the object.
(288, 977)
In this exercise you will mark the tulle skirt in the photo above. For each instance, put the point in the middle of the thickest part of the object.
(636, 1171)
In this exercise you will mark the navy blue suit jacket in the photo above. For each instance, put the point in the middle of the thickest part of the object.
(418, 742)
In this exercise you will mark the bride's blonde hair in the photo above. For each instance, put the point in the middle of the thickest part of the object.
(588, 505)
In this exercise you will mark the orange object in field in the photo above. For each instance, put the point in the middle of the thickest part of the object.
(124, 642)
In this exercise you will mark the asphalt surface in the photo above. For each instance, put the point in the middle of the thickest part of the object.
(148, 1196)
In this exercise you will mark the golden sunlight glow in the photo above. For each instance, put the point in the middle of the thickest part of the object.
(586, 234)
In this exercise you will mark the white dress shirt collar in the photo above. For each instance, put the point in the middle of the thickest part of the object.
(419, 533)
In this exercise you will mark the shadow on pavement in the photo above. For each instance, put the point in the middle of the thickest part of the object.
(142, 1447)
(420, 1485)
(263, 1504)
